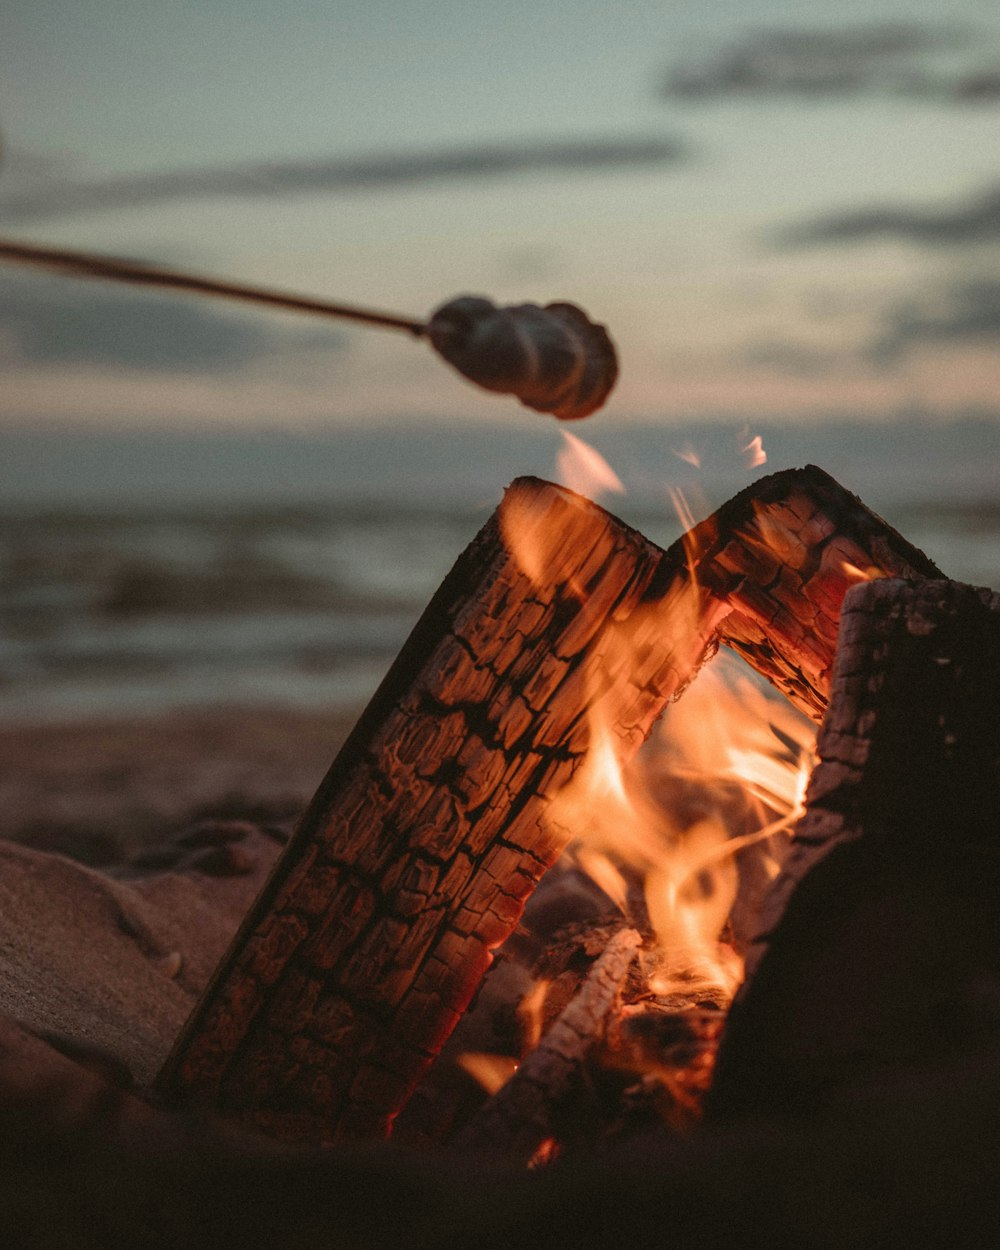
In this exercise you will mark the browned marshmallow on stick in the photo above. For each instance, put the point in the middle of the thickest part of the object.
(554, 359)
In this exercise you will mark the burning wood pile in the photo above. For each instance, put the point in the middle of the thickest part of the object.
(501, 736)
(491, 813)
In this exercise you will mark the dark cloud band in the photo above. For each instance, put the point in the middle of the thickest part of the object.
(380, 173)
(966, 314)
(901, 58)
(976, 221)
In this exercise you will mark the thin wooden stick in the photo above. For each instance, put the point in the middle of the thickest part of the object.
(88, 265)
(517, 1119)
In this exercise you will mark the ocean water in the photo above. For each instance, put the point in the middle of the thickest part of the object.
(138, 575)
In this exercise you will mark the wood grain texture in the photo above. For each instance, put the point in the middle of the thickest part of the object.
(879, 944)
(417, 854)
(414, 860)
(782, 554)
(519, 1117)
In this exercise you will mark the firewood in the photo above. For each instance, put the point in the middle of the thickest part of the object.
(518, 1118)
(782, 554)
(879, 943)
(415, 858)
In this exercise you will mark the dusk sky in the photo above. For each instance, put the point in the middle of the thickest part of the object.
(778, 208)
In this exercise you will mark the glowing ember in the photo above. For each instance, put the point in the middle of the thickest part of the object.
(491, 1071)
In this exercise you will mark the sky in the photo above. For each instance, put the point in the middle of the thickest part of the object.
(780, 209)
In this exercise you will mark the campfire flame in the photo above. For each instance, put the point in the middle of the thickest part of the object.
(688, 453)
(722, 780)
(582, 468)
(490, 1071)
(685, 835)
(754, 454)
(715, 790)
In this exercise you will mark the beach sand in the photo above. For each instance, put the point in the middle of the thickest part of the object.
(99, 790)
(130, 851)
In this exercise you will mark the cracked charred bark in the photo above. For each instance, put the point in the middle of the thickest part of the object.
(880, 940)
(417, 853)
(782, 554)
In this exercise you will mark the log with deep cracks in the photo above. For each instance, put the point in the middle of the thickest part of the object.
(419, 850)
(879, 943)
(415, 857)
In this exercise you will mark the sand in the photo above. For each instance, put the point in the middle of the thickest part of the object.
(115, 965)
(120, 882)
(99, 789)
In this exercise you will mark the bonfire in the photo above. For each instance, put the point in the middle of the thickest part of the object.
(584, 916)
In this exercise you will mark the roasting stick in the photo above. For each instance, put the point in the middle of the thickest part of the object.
(87, 265)
(554, 359)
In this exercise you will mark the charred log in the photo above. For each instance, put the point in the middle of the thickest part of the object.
(519, 1117)
(416, 856)
(417, 853)
(880, 942)
(782, 554)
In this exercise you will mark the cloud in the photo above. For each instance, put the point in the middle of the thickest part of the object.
(960, 315)
(45, 321)
(340, 176)
(976, 221)
(794, 359)
(980, 86)
(896, 58)
(965, 314)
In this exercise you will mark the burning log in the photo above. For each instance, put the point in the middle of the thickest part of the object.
(880, 946)
(518, 1119)
(416, 856)
(414, 860)
(782, 554)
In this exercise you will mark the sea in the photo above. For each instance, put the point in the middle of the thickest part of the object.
(150, 570)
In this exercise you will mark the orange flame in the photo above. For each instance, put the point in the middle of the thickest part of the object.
(491, 1071)
(582, 468)
(712, 796)
(530, 1013)
(754, 454)
(682, 508)
(724, 777)
(854, 574)
(688, 453)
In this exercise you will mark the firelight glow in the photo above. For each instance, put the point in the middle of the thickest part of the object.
(582, 468)
(716, 788)
(754, 454)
